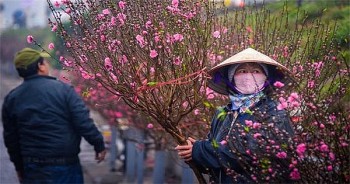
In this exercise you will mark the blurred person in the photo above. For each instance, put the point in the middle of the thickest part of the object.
(247, 79)
(44, 120)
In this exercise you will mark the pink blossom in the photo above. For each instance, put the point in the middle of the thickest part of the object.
(249, 29)
(108, 63)
(121, 18)
(85, 74)
(331, 156)
(196, 111)
(54, 28)
(140, 40)
(278, 84)
(310, 84)
(324, 148)
(322, 126)
(66, 2)
(294, 175)
(210, 93)
(150, 126)
(219, 58)
(103, 38)
(282, 106)
(83, 58)
(30, 39)
(152, 70)
(118, 114)
(332, 117)
(56, 4)
(223, 142)
(153, 53)
(257, 135)
(216, 34)
(121, 4)
(177, 61)
(281, 154)
(62, 58)
(295, 96)
(301, 148)
(68, 10)
(330, 168)
(175, 3)
(98, 75)
(148, 24)
(249, 123)
(189, 15)
(256, 125)
(113, 21)
(178, 37)
(51, 46)
(106, 11)
(156, 38)
(344, 144)
(115, 78)
(68, 63)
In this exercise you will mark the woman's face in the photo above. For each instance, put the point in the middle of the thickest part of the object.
(249, 68)
(249, 78)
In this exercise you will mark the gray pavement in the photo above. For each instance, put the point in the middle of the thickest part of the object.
(7, 170)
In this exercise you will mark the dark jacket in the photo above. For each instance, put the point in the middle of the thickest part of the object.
(215, 158)
(46, 118)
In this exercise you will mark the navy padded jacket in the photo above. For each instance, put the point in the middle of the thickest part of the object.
(45, 118)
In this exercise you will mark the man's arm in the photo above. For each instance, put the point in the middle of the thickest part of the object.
(84, 125)
(11, 138)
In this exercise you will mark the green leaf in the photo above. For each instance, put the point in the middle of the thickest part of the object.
(248, 111)
(208, 104)
(265, 163)
(215, 144)
(152, 83)
(246, 129)
(284, 146)
(222, 114)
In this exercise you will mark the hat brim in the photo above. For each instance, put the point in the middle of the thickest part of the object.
(45, 55)
(246, 56)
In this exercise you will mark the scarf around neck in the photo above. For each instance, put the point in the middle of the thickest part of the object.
(242, 102)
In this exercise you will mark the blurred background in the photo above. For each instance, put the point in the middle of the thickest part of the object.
(131, 156)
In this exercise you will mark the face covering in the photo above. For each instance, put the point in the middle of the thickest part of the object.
(249, 83)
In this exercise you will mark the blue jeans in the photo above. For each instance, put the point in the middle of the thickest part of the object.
(52, 174)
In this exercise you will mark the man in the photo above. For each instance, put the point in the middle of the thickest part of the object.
(44, 120)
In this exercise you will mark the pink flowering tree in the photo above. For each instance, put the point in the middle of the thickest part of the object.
(154, 55)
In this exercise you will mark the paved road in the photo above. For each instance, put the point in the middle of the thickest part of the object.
(7, 170)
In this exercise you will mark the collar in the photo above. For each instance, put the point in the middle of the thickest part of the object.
(37, 76)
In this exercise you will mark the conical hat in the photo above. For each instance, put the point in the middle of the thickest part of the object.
(245, 56)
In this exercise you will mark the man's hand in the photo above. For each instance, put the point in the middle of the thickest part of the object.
(100, 156)
(20, 176)
(185, 151)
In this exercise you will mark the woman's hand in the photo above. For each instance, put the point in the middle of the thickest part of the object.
(185, 151)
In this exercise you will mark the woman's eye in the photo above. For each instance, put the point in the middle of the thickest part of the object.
(256, 71)
(242, 71)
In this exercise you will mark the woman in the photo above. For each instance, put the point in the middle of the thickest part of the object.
(248, 127)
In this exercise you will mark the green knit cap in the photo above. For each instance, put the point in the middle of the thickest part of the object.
(28, 56)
